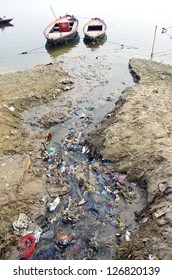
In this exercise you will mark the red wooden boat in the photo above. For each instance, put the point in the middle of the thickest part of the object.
(4, 20)
(61, 30)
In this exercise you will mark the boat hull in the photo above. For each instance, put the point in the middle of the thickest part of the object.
(94, 42)
(5, 21)
(63, 40)
(89, 37)
(61, 30)
(95, 29)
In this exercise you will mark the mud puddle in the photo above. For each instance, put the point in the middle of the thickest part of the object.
(90, 206)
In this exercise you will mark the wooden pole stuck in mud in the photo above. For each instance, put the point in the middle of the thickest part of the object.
(153, 42)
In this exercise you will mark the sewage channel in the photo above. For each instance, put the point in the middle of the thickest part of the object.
(91, 207)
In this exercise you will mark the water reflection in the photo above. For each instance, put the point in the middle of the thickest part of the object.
(59, 49)
(4, 25)
(94, 43)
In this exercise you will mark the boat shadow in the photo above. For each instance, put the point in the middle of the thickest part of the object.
(4, 25)
(58, 49)
(95, 43)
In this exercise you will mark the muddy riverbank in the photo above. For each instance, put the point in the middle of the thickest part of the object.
(135, 137)
(21, 170)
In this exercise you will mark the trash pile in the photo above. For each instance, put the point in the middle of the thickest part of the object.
(90, 207)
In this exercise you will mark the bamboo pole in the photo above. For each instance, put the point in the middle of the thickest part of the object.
(53, 12)
(153, 41)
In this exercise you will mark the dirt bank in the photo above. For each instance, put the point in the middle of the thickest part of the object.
(21, 185)
(136, 136)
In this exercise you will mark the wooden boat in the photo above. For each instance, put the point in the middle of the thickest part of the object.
(95, 29)
(61, 30)
(4, 20)
(94, 43)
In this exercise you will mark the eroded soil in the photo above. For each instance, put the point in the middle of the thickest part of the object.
(136, 137)
(21, 185)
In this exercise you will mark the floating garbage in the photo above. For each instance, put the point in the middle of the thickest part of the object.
(21, 224)
(80, 113)
(45, 254)
(121, 224)
(48, 234)
(163, 186)
(152, 257)
(89, 196)
(51, 150)
(10, 108)
(121, 178)
(52, 206)
(68, 217)
(127, 235)
(49, 137)
(63, 240)
(118, 238)
(37, 233)
(95, 245)
(82, 202)
(72, 131)
(26, 246)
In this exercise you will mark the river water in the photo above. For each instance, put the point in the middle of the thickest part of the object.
(129, 23)
(97, 213)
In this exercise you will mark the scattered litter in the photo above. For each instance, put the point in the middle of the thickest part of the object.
(162, 211)
(45, 254)
(48, 234)
(68, 217)
(80, 113)
(52, 206)
(127, 235)
(81, 202)
(95, 245)
(22, 223)
(163, 186)
(143, 220)
(51, 150)
(90, 195)
(37, 233)
(49, 137)
(152, 257)
(63, 240)
(26, 246)
(11, 108)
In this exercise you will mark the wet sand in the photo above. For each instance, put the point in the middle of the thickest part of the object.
(136, 137)
(22, 188)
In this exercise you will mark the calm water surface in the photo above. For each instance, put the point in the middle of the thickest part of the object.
(129, 23)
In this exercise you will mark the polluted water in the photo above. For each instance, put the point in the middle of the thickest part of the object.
(90, 206)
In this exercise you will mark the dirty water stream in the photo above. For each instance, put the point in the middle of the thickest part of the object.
(91, 207)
